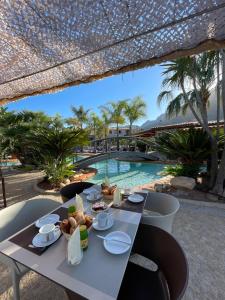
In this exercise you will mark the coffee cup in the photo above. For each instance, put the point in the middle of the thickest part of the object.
(127, 191)
(92, 195)
(102, 219)
(48, 231)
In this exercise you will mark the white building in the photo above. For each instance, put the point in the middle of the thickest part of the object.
(123, 131)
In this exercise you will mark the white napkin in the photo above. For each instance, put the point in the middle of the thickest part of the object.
(79, 203)
(74, 251)
(117, 197)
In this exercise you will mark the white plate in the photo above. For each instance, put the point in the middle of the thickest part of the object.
(99, 196)
(114, 247)
(49, 219)
(89, 191)
(109, 224)
(135, 198)
(39, 242)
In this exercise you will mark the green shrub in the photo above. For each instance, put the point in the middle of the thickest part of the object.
(190, 146)
(182, 170)
(56, 171)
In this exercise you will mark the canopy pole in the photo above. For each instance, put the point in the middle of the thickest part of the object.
(3, 188)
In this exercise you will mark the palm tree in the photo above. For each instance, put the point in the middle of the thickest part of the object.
(194, 76)
(96, 126)
(190, 146)
(116, 112)
(105, 117)
(55, 147)
(135, 110)
(106, 121)
(80, 117)
(219, 186)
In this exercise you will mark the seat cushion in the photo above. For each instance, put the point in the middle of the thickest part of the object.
(140, 284)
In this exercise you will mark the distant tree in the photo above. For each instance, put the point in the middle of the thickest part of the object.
(95, 126)
(135, 110)
(116, 112)
(80, 117)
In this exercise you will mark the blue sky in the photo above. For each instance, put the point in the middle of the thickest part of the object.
(145, 82)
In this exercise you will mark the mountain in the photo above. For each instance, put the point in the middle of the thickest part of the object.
(163, 120)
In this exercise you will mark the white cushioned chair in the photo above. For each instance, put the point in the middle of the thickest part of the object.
(160, 210)
(15, 218)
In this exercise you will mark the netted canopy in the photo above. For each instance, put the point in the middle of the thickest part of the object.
(46, 45)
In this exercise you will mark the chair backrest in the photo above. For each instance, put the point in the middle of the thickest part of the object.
(164, 204)
(70, 190)
(163, 249)
(20, 215)
(161, 202)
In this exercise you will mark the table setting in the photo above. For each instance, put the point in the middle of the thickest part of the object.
(84, 233)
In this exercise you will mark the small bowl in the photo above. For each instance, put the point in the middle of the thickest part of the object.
(100, 210)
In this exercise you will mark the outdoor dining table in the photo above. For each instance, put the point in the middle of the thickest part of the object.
(99, 275)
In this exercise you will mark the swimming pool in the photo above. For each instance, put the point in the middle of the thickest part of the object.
(9, 163)
(126, 174)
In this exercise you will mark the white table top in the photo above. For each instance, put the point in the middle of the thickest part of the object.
(98, 276)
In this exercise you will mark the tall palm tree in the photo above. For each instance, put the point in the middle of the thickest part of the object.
(219, 187)
(194, 77)
(135, 110)
(116, 113)
(105, 117)
(80, 117)
(96, 126)
(106, 121)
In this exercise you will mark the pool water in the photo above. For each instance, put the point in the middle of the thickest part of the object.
(126, 174)
(9, 163)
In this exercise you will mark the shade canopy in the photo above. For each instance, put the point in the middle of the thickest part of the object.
(47, 45)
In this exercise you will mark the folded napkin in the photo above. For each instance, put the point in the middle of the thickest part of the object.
(74, 251)
(107, 181)
(79, 203)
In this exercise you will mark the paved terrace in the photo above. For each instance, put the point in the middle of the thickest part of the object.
(199, 227)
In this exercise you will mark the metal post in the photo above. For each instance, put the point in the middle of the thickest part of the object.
(3, 188)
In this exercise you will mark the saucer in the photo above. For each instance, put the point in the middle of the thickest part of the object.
(38, 240)
(109, 224)
(99, 196)
(90, 190)
(135, 198)
(49, 219)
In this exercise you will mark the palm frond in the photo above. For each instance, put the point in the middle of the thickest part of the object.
(166, 95)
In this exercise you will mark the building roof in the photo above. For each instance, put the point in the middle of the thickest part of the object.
(48, 45)
(152, 131)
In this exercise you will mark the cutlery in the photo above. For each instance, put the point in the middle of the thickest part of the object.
(113, 240)
(40, 248)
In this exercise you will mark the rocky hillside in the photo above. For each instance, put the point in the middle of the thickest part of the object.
(162, 119)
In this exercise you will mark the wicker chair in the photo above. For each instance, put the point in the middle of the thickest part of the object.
(69, 191)
(15, 218)
(171, 278)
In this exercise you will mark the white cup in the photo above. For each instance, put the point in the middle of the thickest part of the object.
(48, 231)
(127, 191)
(91, 196)
(102, 219)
